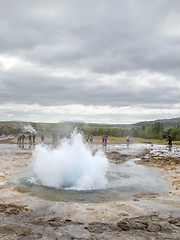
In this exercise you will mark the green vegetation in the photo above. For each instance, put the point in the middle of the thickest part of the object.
(10, 128)
(147, 132)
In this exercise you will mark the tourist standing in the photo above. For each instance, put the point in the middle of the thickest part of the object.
(128, 138)
(30, 140)
(20, 139)
(105, 140)
(87, 138)
(54, 139)
(42, 138)
(170, 140)
(102, 138)
(34, 138)
(23, 137)
(91, 138)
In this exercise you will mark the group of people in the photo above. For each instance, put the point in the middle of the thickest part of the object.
(104, 139)
(169, 140)
(31, 138)
(89, 139)
(21, 138)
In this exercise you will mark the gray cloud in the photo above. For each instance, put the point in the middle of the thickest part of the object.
(115, 53)
(32, 87)
(121, 28)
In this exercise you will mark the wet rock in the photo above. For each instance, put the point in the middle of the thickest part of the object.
(160, 161)
(15, 230)
(30, 237)
(12, 208)
(149, 224)
(54, 222)
(116, 157)
(175, 222)
(98, 227)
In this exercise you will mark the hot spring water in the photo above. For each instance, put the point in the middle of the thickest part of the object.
(75, 171)
(70, 166)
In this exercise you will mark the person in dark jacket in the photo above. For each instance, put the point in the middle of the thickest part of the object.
(34, 138)
(42, 138)
(22, 138)
(170, 140)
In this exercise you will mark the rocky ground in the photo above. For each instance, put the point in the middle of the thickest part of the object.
(145, 217)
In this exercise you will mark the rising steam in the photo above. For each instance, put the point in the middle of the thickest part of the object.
(71, 166)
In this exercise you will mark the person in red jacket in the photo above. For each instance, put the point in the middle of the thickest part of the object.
(103, 138)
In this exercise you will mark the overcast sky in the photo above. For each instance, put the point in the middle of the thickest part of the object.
(106, 61)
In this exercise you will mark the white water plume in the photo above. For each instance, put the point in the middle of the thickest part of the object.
(71, 165)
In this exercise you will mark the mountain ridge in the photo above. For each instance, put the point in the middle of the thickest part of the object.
(171, 122)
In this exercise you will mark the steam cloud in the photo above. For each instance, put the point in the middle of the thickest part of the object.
(71, 166)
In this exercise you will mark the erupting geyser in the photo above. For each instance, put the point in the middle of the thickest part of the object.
(70, 166)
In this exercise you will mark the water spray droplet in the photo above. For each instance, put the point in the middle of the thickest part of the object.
(71, 165)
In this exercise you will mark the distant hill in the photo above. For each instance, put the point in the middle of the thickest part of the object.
(168, 123)
(73, 122)
(173, 122)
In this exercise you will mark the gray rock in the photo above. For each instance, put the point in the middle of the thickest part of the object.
(149, 223)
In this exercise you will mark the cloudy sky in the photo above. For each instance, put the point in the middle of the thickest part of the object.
(105, 61)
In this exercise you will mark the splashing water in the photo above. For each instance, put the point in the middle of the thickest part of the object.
(70, 166)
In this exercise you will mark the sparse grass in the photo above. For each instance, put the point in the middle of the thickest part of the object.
(111, 138)
(134, 139)
(164, 141)
(155, 141)
(176, 142)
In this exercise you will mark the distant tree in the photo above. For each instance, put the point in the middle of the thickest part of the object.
(157, 130)
(175, 134)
